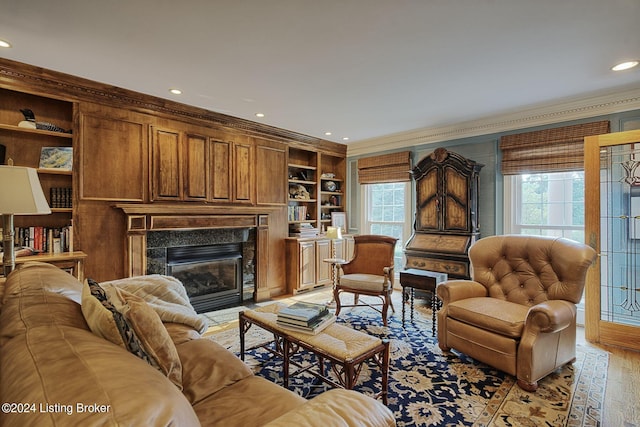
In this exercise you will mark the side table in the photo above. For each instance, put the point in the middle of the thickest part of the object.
(335, 264)
(414, 278)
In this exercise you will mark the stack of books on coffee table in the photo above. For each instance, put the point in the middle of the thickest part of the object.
(305, 317)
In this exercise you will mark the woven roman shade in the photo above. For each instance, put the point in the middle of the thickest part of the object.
(394, 167)
(549, 150)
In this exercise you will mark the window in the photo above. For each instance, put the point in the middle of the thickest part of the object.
(387, 212)
(549, 204)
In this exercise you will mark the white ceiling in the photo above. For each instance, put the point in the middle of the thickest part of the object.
(359, 68)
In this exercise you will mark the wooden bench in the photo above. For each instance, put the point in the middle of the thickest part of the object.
(344, 348)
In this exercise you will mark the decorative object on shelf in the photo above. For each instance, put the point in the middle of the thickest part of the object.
(302, 175)
(329, 186)
(30, 123)
(328, 175)
(298, 191)
(58, 158)
(339, 220)
(333, 201)
(23, 197)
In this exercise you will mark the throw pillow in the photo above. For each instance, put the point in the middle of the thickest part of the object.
(128, 321)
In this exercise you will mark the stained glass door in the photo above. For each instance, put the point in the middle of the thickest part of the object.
(612, 226)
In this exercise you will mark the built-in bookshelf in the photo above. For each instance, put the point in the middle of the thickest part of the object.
(24, 146)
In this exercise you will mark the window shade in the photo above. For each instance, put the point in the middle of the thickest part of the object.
(550, 150)
(394, 167)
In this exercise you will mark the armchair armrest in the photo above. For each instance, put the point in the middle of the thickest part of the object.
(338, 407)
(454, 290)
(550, 316)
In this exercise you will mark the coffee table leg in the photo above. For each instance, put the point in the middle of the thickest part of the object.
(242, 332)
(285, 367)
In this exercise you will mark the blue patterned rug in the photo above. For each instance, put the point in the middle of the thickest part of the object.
(429, 388)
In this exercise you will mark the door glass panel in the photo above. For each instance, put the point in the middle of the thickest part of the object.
(620, 233)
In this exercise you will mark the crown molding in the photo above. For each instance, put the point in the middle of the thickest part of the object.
(615, 102)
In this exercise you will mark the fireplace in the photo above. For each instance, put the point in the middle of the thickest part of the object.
(216, 266)
(211, 274)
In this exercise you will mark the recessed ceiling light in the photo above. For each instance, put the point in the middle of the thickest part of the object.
(624, 65)
(175, 91)
(259, 114)
(4, 43)
(346, 138)
(328, 133)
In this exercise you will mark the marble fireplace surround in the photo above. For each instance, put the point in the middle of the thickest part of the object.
(183, 221)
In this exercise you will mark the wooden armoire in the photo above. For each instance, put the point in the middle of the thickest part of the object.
(446, 217)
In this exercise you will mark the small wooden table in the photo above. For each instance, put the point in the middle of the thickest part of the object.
(344, 348)
(414, 278)
(73, 260)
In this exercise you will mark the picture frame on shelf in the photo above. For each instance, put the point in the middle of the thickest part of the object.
(56, 158)
(339, 220)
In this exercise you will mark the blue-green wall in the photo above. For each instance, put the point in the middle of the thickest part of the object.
(483, 149)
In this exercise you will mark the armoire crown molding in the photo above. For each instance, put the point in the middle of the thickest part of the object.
(615, 102)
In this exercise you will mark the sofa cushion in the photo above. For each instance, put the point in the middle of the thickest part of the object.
(491, 314)
(128, 321)
(39, 294)
(208, 367)
(70, 366)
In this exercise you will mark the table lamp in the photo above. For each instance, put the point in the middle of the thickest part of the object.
(20, 194)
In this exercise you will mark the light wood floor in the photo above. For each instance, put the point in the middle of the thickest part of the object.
(622, 398)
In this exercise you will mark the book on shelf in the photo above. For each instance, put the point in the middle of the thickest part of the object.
(303, 311)
(313, 328)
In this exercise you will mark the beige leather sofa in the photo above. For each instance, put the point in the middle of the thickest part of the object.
(55, 372)
(518, 314)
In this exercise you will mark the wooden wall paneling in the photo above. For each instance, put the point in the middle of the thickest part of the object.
(196, 168)
(220, 184)
(243, 179)
(102, 236)
(166, 170)
(113, 159)
(271, 172)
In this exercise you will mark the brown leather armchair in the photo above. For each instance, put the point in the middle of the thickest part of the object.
(518, 314)
(370, 272)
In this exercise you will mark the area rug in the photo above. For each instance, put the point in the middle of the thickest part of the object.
(429, 388)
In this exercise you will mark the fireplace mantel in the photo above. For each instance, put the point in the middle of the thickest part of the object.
(143, 218)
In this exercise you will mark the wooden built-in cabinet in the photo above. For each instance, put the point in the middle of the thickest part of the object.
(131, 149)
(322, 177)
(191, 166)
(307, 268)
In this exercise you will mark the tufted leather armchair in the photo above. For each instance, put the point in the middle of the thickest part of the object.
(518, 314)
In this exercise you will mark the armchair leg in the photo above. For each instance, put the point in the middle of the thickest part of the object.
(527, 386)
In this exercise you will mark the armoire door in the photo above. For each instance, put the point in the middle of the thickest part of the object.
(612, 226)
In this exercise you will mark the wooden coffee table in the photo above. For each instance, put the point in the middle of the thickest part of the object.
(344, 348)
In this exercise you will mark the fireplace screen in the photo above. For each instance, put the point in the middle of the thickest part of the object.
(211, 275)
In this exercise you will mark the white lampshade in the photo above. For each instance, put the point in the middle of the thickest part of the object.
(21, 192)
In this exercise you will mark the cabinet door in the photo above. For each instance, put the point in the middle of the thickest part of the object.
(196, 175)
(220, 175)
(307, 263)
(242, 162)
(428, 201)
(108, 145)
(166, 165)
(323, 248)
(456, 200)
